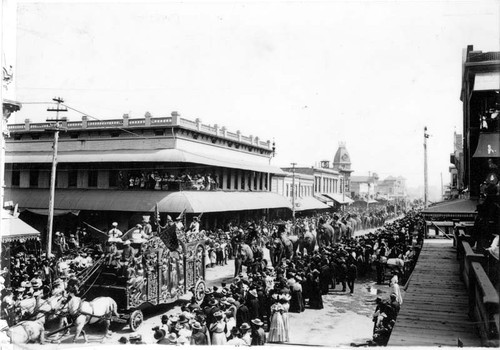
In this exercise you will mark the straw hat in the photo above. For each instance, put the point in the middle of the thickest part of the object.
(245, 327)
(257, 322)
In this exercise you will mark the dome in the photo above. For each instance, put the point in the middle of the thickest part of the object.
(342, 159)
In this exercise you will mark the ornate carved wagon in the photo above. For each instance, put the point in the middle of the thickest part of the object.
(162, 277)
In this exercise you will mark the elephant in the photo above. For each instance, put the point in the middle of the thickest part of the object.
(307, 242)
(244, 257)
(325, 235)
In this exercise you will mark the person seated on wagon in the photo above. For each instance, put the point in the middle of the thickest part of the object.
(110, 252)
(114, 235)
(73, 242)
(128, 252)
(138, 234)
(146, 226)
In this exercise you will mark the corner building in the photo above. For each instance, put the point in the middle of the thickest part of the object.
(119, 170)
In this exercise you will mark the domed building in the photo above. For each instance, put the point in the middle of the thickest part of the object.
(342, 163)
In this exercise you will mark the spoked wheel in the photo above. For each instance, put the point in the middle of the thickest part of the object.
(135, 321)
(199, 291)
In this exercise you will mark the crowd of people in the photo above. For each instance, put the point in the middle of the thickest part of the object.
(254, 308)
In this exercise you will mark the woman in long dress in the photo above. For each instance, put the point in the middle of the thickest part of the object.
(296, 296)
(395, 288)
(315, 297)
(277, 329)
(284, 300)
(218, 330)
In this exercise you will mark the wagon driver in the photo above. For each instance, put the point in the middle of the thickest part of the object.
(114, 234)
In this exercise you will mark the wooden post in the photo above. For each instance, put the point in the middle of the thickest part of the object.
(56, 128)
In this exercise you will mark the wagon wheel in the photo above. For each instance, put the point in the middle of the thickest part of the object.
(199, 291)
(135, 320)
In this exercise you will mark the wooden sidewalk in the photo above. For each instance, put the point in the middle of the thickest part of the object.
(435, 306)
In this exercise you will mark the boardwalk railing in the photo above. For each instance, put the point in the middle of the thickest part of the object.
(483, 297)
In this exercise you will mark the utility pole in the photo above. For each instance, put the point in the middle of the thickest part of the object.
(269, 184)
(293, 194)
(56, 128)
(426, 189)
(343, 191)
(442, 189)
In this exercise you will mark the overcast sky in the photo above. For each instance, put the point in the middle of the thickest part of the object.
(307, 74)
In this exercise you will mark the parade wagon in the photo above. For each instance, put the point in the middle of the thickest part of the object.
(160, 276)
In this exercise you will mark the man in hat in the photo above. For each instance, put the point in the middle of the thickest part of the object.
(242, 313)
(258, 334)
(114, 234)
(146, 226)
(198, 337)
(352, 273)
(59, 244)
(195, 226)
(128, 252)
(169, 235)
(178, 223)
(253, 304)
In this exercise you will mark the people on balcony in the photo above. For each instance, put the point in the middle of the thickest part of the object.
(155, 180)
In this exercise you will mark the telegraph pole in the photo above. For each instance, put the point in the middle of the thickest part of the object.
(56, 128)
(293, 194)
(426, 189)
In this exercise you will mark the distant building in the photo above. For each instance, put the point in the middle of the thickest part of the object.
(456, 168)
(331, 184)
(364, 187)
(393, 188)
(342, 163)
(298, 188)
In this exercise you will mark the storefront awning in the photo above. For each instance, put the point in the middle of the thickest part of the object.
(147, 155)
(488, 145)
(454, 209)
(487, 81)
(324, 199)
(145, 201)
(14, 229)
(309, 203)
(339, 198)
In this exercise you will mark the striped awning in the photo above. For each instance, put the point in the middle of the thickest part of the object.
(339, 198)
(309, 203)
(14, 229)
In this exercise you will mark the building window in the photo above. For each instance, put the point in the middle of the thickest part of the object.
(16, 177)
(34, 174)
(287, 189)
(228, 179)
(92, 180)
(113, 178)
(72, 178)
(242, 181)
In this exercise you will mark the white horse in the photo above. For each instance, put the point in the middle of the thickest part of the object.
(34, 330)
(88, 312)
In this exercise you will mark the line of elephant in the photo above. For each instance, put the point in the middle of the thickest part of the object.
(307, 236)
